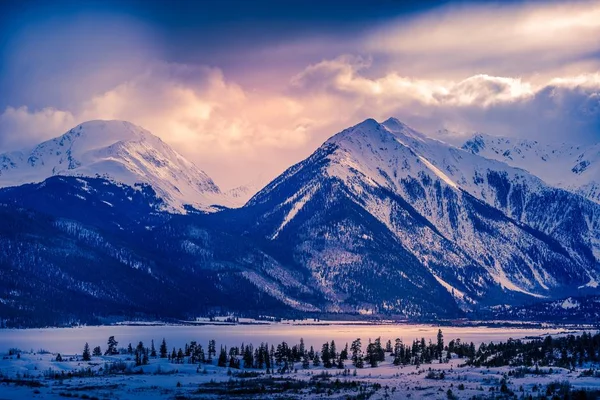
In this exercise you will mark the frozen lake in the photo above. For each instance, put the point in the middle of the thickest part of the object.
(71, 340)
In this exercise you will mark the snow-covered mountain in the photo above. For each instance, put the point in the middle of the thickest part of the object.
(379, 219)
(123, 153)
(572, 167)
(477, 227)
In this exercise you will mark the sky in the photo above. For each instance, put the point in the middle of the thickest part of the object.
(244, 89)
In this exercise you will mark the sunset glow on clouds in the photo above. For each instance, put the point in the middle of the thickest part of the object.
(529, 70)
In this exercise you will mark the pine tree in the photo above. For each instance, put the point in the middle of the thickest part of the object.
(222, 362)
(344, 353)
(59, 357)
(163, 349)
(357, 360)
(388, 347)
(97, 351)
(316, 360)
(325, 355)
(86, 353)
(332, 351)
(440, 345)
(305, 361)
(212, 349)
(140, 354)
(372, 356)
(152, 349)
(112, 347)
(130, 349)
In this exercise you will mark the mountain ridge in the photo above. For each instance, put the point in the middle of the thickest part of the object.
(122, 152)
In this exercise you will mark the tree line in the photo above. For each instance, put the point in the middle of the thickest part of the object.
(285, 357)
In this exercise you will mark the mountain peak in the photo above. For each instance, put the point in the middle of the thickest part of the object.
(119, 151)
(394, 124)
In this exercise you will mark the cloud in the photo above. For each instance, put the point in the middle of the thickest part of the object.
(554, 110)
(237, 134)
(528, 70)
(532, 38)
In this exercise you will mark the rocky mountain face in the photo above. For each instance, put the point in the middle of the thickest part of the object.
(573, 167)
(379, 220)
(123, 153)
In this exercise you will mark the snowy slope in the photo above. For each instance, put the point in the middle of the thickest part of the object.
(474, 224)
(121, 152)
(572, 167)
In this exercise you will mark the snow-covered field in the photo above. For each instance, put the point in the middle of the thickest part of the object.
(161, 379)
(27, 376)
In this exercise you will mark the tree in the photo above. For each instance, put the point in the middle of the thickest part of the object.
(305, 361)
(440, 345)
(316, 360)
(112, 347)
(212, 349)
(372, 355)
(97, 351)
(325, 355)
(130, 349)
(163, 349)
(332, 351)
(141, 355)
(152, 349)
(344, 353)
(388, 347)
(59, 357)
(222, 362)
(357, 358)
(86, 353)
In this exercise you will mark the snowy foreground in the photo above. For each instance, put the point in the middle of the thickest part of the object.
(28, 376)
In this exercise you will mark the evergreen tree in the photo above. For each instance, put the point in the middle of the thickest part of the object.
(212, 349)
(163, 349)
(59, 357)
(130, 349)
(222, 362)
(305, 361)
(357, 357)
(379, 352)
(388, 347)
(112, 347)
(332, 351)
(344, 353)
(316, 360)
(440, 345)
(97, 351)
(141, 357)
(86, 353)
(325, 355)
(372, 356)
(152, 349)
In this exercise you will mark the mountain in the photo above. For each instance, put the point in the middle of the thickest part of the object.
(380, 219)
(382, 203)
(120, 152)
(573, 167)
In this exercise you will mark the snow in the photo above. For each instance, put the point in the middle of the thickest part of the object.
(569, 166)
(569, 304)
(451, 289)
(162, 379)
(121, 152)
(439, 173)
(296, 207)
